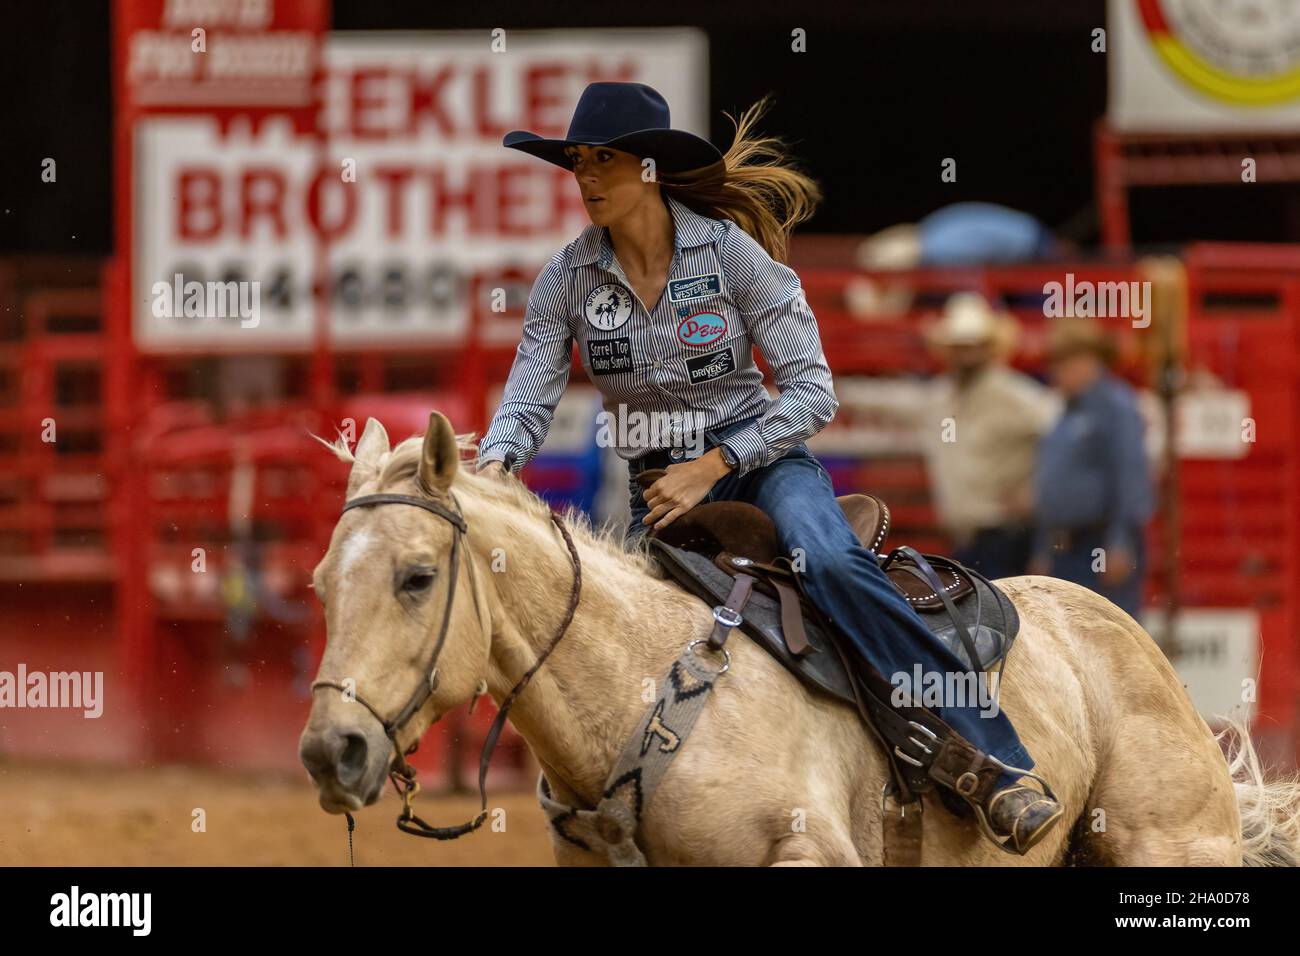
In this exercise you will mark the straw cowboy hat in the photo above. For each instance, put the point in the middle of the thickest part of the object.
(968, 319)
(897, 247)
(1071, 336)
(631, 117)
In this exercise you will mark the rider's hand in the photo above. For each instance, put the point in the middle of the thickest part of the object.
(493, 469)
(683, 487)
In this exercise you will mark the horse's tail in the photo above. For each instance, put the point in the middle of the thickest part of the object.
(1270, 809)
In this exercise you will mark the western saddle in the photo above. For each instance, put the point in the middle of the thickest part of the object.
(727, 553)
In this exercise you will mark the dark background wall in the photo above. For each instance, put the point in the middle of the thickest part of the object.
(1010, 88)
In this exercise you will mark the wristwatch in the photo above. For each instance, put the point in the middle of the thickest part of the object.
(729, 457)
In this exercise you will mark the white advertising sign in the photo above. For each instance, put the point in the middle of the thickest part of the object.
(386, 213)
(1204, 65)
(1212, 423)
(212, 206)
(877, 416)
(1218, 660)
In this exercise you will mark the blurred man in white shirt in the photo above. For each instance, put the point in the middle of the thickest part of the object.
(981, 431)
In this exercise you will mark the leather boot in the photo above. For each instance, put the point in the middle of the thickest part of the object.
(1023, 815)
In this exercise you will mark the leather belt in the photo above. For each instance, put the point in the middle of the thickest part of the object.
(662, 458)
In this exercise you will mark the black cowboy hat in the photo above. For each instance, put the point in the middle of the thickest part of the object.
(631, 117)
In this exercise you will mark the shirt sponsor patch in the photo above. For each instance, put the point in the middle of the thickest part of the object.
(694, 287)
(701, 329)
(705, 368)
(608, 307)
(609, 355)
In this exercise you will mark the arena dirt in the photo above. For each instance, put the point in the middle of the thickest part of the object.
(97, 816)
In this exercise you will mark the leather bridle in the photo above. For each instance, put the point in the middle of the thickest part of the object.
(403, 775)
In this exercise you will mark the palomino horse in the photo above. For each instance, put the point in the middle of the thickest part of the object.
(771, 774)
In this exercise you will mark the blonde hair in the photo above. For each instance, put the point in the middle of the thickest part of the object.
(754, 186)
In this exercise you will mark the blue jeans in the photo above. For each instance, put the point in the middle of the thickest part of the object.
(844, 580)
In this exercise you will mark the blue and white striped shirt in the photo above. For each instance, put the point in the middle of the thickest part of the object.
(690, 359)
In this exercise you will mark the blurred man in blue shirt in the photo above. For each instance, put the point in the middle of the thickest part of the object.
(1092, 487)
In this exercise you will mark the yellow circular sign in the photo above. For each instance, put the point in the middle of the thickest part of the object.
(1245, 52)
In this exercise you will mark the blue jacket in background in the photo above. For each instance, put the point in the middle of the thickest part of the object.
(976, 233)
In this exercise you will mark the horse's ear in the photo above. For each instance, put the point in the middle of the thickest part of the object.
(372, 446)
(440, 458)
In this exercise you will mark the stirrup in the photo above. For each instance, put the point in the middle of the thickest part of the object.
(1005, 844)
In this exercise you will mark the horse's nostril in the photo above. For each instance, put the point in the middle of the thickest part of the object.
(352, 762)
(319, 753)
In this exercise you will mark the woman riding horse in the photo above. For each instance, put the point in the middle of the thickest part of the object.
(679, 275)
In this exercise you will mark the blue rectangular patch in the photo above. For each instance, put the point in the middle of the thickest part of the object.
(694, 287)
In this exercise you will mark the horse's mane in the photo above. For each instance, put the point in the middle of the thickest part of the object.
(401, 463)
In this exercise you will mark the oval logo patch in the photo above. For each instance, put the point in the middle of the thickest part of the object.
(702, 328)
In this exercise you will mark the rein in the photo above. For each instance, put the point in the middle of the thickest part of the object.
(403, 775)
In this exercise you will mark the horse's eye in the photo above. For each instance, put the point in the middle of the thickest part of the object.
(417, 582)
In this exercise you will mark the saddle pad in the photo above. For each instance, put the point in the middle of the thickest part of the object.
(822, 669)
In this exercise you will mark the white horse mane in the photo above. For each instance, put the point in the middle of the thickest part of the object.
(402, 461)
